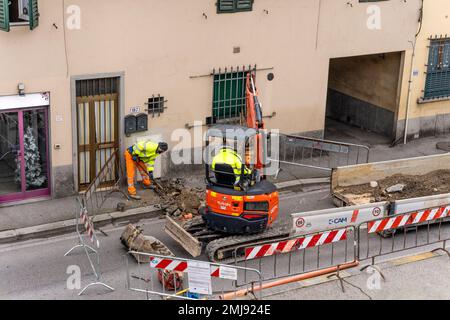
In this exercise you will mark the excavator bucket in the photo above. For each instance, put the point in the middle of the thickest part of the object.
(133, 239)
(184, 238)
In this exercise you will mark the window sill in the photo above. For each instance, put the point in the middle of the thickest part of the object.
(425, 101)
(19, 24)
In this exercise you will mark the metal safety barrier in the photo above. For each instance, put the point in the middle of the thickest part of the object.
(89, 203)
(110, 179)
(300, 254)
(320, 220)
(166, 277)
(318, 153)
(402, 232)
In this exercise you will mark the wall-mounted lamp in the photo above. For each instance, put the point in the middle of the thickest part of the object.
(21, 89)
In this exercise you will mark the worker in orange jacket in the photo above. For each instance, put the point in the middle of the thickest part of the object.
(142, 155)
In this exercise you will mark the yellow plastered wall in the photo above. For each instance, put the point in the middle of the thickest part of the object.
(160, 45)
(436, 21)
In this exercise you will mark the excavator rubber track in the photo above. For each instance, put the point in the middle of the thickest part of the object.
(194, 236)
(231, 248)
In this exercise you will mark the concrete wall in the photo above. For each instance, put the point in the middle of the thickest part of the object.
(428, 118)
(160, 45)
(365, 173)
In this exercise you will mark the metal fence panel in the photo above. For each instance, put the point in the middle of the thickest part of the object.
(299, 255)
(145, 277)
(318, 153)
(90, 202)
(110, 179)
(402, 232)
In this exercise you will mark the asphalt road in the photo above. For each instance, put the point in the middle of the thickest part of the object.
(37, 269)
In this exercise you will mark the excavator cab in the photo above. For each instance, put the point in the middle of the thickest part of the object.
(239, 200)
(230, 160)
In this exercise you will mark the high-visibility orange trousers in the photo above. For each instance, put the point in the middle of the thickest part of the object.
(131, 172)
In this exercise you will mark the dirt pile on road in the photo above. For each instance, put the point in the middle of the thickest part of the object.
(433, 183)
(179, 200)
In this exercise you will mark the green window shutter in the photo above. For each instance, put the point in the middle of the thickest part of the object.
(228, 6)
(34, 14)
(437, 83)
(4, 15)
(244, 5)
(225, 6)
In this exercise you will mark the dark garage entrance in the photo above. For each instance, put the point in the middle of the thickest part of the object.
(363, 95)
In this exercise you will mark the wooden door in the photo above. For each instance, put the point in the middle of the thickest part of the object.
(97, 119)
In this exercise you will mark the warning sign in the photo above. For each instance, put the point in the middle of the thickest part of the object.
(199, 274)
(300, 222)
(376, 211)
(228, 273)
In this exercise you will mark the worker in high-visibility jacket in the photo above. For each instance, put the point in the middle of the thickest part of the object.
(229, 156)
(142, 155)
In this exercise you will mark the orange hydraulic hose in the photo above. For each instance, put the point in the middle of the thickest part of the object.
(300, 277)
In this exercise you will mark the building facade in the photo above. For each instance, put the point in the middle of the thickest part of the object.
(79, 78)
(425, 101)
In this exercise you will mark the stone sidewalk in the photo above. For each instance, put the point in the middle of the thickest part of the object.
(49, 211)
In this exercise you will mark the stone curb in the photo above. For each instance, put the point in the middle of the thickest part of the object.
(302, 182)
(67, 226)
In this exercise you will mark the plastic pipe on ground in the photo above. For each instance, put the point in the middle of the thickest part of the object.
(300, 277)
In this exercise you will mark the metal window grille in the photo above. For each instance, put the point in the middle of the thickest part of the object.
(155, 105)
(94, 87)
(438, 73)
(229, 98)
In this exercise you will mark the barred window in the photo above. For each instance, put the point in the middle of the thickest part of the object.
(438, 73)
(229, 98)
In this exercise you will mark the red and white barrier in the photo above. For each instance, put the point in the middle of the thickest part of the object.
(296, 244)
(409, 219)
(178, 265)
(89, 227)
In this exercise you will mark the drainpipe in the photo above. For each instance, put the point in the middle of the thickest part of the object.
(408, 101)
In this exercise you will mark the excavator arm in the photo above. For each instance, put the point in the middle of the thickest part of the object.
(254, 117)
(254, 109)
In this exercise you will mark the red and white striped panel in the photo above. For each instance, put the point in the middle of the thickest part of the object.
(177, 265)
(215, 271)
(295, 244)
(168, 264)
(89, 227)
(408, 219)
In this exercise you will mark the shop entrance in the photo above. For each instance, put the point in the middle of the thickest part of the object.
(24, 165)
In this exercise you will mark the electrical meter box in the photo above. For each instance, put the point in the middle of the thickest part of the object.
(130, 124)
(142, 122)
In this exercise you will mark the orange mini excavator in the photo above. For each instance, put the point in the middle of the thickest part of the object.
(249, 205)
(241, 205)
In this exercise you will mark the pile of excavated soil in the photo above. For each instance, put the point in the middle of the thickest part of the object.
(433, 183)
(177, 199)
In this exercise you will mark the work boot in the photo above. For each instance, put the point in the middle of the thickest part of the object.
(150, 187)
(134, 197)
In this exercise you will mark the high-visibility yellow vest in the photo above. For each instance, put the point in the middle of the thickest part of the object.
(232, 158)
(146, 151)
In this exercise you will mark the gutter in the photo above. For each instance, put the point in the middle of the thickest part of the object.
(408, 102)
